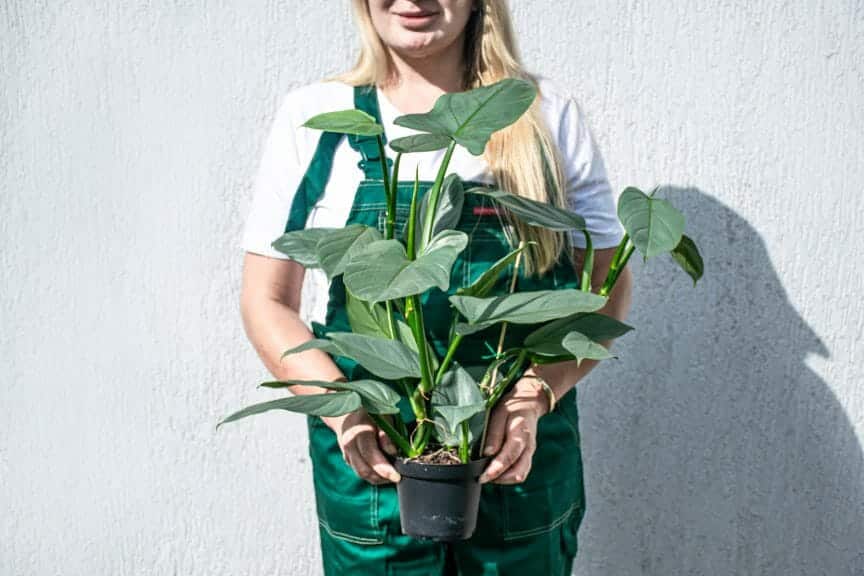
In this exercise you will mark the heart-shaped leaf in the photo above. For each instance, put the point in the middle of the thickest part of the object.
(377, 397)
(582, 347)
(336, 250)
(382, 271)
(354, 122)
(335, 404)
(654, 225)
(523, 307)
(457, 398)
(299, 245)
(453, 416)
(388, 359)
(471, 117)
(420, 143)
(534, 213)
(547, 339)
(688, 258)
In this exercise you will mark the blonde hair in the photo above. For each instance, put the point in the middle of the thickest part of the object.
(523, 158)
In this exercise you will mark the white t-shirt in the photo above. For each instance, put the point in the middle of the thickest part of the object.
(289, 149)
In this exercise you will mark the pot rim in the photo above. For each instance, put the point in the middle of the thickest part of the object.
(470, 470)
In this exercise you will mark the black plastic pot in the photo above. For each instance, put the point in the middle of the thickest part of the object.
(439, 501)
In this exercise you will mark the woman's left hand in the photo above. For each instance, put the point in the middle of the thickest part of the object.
(512, 433)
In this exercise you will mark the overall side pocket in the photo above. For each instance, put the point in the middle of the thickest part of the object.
(347, 505)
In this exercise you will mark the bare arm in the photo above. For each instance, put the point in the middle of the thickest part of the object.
(513, 424)
(269, 305)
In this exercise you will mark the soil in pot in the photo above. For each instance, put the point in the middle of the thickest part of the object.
(439, 500)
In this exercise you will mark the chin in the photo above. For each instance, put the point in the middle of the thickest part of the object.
(417, 45)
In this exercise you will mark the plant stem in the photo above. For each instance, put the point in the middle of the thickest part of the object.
(434, 193)
(388, 193)
(463, 442)
(497, 391)
(619, 260)
(448, 357)
(588, 266)
(400, 441)
(412, 217)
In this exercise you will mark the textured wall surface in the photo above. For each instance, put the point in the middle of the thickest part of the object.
(726, 440)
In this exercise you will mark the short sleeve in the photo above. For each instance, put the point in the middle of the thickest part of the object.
(276, 181)
(588, 191)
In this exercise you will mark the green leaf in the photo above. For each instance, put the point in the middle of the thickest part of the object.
(366, 317)
(582, 347)
(654, 225)
(534, 213)
(420, 143)
(336, 250)
(471, 117)
(457, 387)
(299, 245)
(453, 416)
(523, 307)
(381, 271)
(354, 122)
(449, 211)
(548, 338)
(388, 359)
(313, 344)
(457, 398)
(688, 258)
(486, 282)
(335, 404)
(377, 397)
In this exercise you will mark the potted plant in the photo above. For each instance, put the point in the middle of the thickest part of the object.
(385, 276)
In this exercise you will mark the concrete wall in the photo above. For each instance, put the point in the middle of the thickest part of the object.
(726, 440)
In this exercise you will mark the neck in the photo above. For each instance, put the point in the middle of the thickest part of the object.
(416, 83)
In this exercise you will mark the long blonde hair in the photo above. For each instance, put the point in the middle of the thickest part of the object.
(517, 156)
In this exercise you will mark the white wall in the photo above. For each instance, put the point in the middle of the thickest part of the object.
(727, 438)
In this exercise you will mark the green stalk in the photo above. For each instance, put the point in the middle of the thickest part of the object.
(448, 357)
(388, 193)
(412, 217)
(619, 260)
(588, 266)
(400, 441)
(434, 193)
(514, 371)
(463, 442)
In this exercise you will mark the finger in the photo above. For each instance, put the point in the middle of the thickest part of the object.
(373, 456)
(517, 473)
(495, 432)
(515, 443)
(386, 443)
(362, 468)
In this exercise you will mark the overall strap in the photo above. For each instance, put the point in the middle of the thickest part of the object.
(311, 187)
(366, 100)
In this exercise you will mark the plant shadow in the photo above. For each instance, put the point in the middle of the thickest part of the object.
(711, 447)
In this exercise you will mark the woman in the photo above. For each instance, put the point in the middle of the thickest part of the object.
(412, 52)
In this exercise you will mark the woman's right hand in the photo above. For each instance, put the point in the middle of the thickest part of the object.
(363, 445)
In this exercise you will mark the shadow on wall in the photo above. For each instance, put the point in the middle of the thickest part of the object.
(717, 450)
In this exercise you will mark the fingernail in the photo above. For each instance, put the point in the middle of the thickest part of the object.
(395, 477)
(488, 451)
(483, 478)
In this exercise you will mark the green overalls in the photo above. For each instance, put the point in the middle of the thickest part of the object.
(528, 528)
